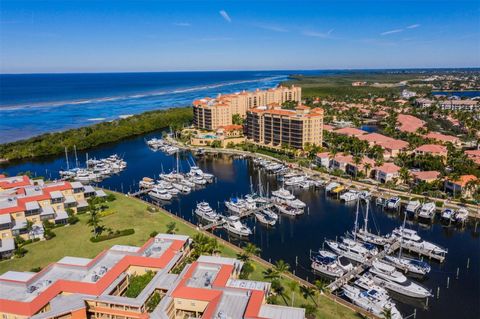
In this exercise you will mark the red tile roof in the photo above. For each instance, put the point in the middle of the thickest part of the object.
(442, 137)
(388, 168)
(350, 131)
(425, 175)
(433, 149)
(409, 123)
(463, 180)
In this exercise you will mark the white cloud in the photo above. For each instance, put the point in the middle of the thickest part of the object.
(391, 31)
(225, 15)
(413, 26)
(318, 34)
(182, 24)
(274, 28)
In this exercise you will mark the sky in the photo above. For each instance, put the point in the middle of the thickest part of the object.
(126, 36)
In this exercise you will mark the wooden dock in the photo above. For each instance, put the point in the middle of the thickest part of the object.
(139, 192)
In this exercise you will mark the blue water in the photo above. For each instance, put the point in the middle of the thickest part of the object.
(467, 94)
(31, 104)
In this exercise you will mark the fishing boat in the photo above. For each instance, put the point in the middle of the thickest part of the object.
(370, 301)
(204, 211)
(427, 212)
(393, 203)
(235, 226)
(392, 279)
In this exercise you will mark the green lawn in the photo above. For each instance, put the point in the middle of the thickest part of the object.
(124, 213)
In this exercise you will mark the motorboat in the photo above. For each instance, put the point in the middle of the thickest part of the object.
(371, 238)
(296, 203)
(182, 188)
(352, 249)
(270, 214)
(448, 215)
(159, 194)
(370, 301)
(389, 277)
(331, 186)
(265, 219)
(197, 180)
(330, 264)
(238, 205)
(461, 215)
(367, 283)
(235, 226)
(288, 210)
(294, 181)
(411, 265)
(350, 196)
(186, 182)
(204, 211)
(283, 194)
(168, 187)
(411, 238)
(413, 207)
(393, 203)
(427, 212)
(195, 170)
(147, 182)
(364, 195)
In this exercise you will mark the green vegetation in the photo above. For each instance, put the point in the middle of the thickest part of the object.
(138, 283)
(133, 213)
(113, 234)
(94, 135)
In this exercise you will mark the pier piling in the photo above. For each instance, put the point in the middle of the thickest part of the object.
(438, 292)
(468, 263)
(448, 282)
(458, 271)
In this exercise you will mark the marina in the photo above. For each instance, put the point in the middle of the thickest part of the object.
(291, 238)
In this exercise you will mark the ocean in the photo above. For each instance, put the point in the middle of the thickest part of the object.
(32, 104)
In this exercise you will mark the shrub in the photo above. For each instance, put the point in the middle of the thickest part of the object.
(20, 252)
(153, 233)
(49, 234)
(72, 220)
(110, 197)
(115, 234)
(36, 269)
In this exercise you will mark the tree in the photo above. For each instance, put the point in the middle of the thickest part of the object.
(308, 292)
(29, 228)
(387, 313)
(357, 159)
(172, 228)
(310, 310)
(271, 274)
(237, 119)
(278, 288)
(281, 266)
(247, 269)
(251, 249)
(404, 175)
(293, 286)
(243, 256)
(367, 167)
(95, 219)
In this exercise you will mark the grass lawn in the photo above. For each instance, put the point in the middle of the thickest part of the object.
(125, 213)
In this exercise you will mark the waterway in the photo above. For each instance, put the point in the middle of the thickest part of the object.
(293, 238)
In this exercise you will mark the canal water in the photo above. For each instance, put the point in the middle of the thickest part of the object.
(292, 238)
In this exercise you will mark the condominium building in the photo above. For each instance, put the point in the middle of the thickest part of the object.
(277, 127)
(95, 288)
(211, 113)
(24, 201)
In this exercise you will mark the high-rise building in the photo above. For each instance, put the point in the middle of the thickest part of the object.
(277, 127)
(209, 114)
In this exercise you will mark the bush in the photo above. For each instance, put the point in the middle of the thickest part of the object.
(115, 234)
(20, 252)
(110, 197)
(72, 220)
(49, 234)
(29, 241)
(36, 269)
(153, 233)
(138, 283)
(247, 269)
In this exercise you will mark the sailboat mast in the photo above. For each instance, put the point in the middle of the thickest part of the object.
(366, 217)
(66, 157)
(76, 158)
(401, 236)
(355, 229)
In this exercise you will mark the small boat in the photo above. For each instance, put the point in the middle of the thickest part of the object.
(411, 265)
(393, 203)
(270, 214)
(288, 210)
(413, 207)
(371, 301)
(197, 180)
(331, 186)
(283, 194)
(265, 219)
(146, 182)
(427, 212)
(337, 189)
(204, 211)
(350, 196)
(168, 187)
(235, 226)
(364, 195)
(448, 215)
(390, 278)
(461, 215)
(159, 194)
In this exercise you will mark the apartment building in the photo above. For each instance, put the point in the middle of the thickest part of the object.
(95, 288)
(211, 113)
(460, 105)
(24, 201)
(276, 127)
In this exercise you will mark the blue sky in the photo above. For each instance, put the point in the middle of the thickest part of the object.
(97, 36)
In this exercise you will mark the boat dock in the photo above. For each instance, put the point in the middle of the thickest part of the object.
(139, 192)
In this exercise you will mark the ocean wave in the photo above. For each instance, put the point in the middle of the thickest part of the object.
(134, 96)
(96, 119)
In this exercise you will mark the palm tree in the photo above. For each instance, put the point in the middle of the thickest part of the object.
(29, 228)
(404, 175)
(94, 219)
(321, 285)
(387, 313)
(271, 274)
(357, 159)
(243, 257)
(367, 167)
(281, 266)
(308, 292)
(293, 286)
(251, 249)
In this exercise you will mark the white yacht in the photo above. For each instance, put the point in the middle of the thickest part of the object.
(182, 188)
(197, 180)
(288, 210)
(238, 205)
(283, 194)
(168, 187)
(411, 238)
(204, 211)
(331, 186)
(366, 282)
(195, 170)
(351, 195)
(411, 265)
(393, 203)
(352, 250)
(294, 181)
(369, 302)
(265, 219)
(159, 194)
(270, 214)
(392, 279)
(296, 203)
(186, 182)
(365, 195)
(448, 215)
(412, 207)
(235, 226)
(371, 238)
(146, 182)
(427, 212)
(461, 215)
(330, 264)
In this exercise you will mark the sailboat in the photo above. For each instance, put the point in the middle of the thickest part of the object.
(368, 237)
